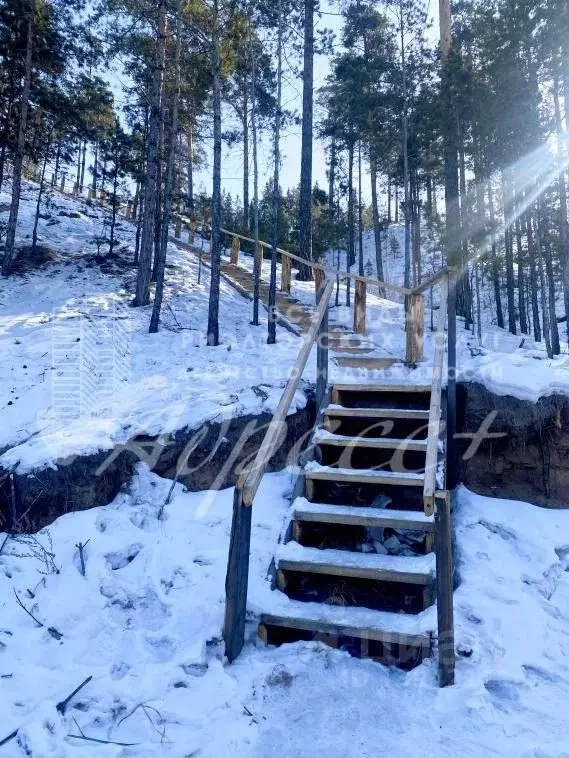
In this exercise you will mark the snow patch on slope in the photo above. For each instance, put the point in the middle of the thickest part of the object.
(146, 621)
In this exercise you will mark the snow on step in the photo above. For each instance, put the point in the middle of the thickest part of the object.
(374, 387)
(389, 413)
(324, 437)
(390, 568)
(350, 621)
(364, 476)
(353, 515)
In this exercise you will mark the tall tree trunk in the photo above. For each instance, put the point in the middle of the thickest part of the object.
(305, 212)
(563, 221)
(272, 327)
(169, 181)
(213, 312)
(546, 248)
(40, 196)
(256, 261)
(406, 176)
(245, 127)
(159, 189)
(494, 258)
(83, 165)
(114, 196)
(332, 177)
(351, 219)
(95, 169)
(191, 168)
(545, 306)
(19, 157)
(376, 220)
(521, 282)
(150, 201)
(533, 278)
(389, 193)
(508, 241)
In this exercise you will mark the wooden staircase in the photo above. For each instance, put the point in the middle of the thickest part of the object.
(367, 552)
(358, 541)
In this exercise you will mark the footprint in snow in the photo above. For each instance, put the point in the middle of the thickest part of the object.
(123, 558)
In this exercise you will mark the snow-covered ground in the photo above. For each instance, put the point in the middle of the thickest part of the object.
(80, 373)
(79, 370)
(145, 622)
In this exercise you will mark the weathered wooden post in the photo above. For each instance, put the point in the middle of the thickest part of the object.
(452, 455)
(360, 296)
(286, 273)
(319, 281)
(235, 246)
(415, 322)
(128, 212)
(445, 582)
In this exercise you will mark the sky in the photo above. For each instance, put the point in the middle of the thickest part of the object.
(232, 165)
(232, 160)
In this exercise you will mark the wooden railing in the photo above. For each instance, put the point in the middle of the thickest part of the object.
(437, 494)
(236, 583)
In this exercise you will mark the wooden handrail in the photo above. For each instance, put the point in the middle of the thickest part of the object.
(237, 577)
(255, 472)
(431, 281)
(431, 464)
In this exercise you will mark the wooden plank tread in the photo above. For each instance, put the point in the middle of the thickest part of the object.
(360, 623)
(316, 472)
(324, 437)
(354, 515)
(365, 363)
(387, 568)
(339, 411)
(369, 387)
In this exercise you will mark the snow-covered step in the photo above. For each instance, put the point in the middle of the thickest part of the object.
(364, 362)
(324, 437)
(316, 472)
(353, 515)
(339, 411)
(360, 623)
(386, 568)
(370, 387)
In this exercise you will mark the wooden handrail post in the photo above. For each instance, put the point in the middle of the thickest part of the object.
(235, 245)
(415, 323)
(237, 578)
(286, 273)
(445, 588)
(360, 297)
(451, 447)
(322, 357)
(319, 282)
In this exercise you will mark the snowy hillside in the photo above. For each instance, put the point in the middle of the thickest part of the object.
(145, 623)
(80, 371)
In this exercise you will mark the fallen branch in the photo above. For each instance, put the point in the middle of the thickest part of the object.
(146, 708)
(52, 630)
(23, 607)
(8, 738)
(61, 708)
(81, 546)
(83, 736)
